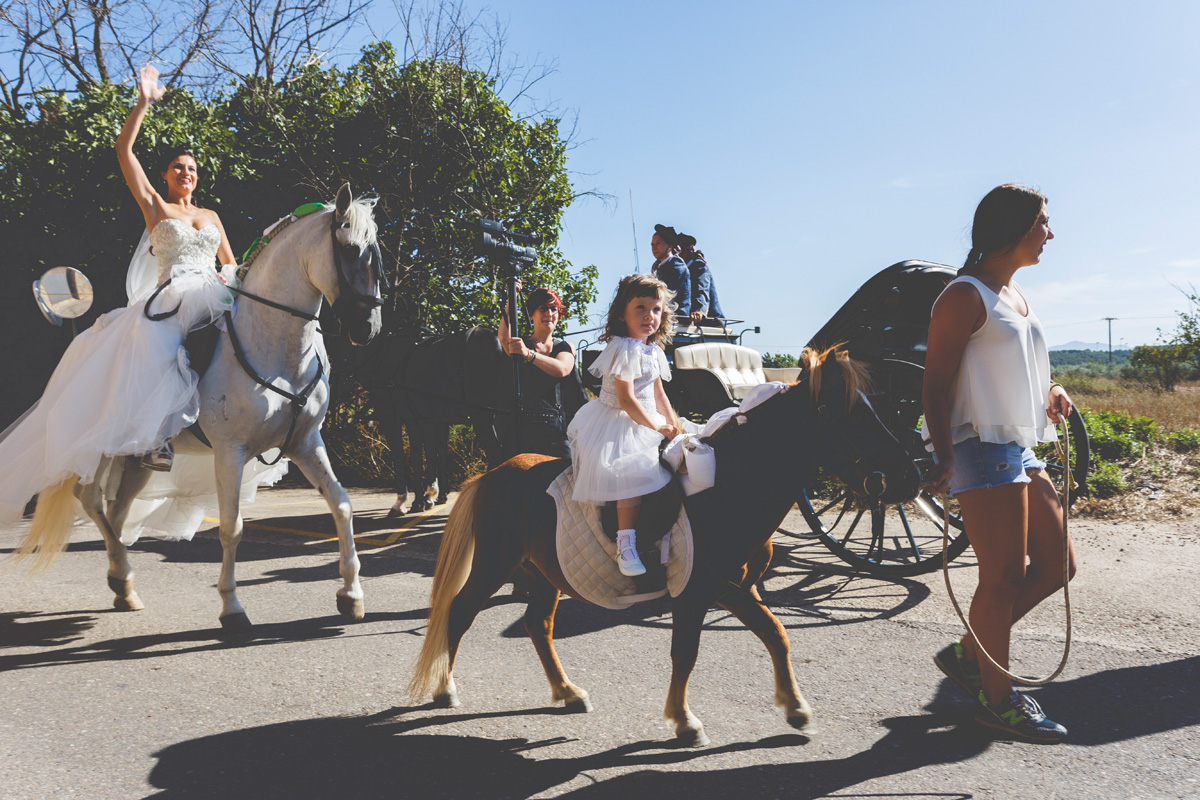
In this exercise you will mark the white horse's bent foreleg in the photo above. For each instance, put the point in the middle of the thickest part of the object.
(313, 461)
(120, 571)
(229, 466)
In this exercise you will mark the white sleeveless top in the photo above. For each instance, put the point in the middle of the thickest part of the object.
(1000, 392)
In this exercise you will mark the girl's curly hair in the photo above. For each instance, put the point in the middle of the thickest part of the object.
(632, 286)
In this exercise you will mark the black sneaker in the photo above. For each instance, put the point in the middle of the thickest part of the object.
(950, 660)
(1019, 716)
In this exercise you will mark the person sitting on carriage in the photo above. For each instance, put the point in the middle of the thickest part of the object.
(705, 305)
(670, 268)
(550, 391)
(615, 438)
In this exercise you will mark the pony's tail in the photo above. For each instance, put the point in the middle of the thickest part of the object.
(51, 527)
(432, 669)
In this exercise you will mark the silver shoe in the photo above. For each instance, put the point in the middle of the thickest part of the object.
(160, 460)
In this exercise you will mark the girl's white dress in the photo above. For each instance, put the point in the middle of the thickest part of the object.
(122, 388)
(614, 457)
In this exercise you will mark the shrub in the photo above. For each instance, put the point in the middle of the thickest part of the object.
(1106, 479)
(1108, 440)
(1184, 441)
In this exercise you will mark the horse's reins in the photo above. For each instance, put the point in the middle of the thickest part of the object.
(1064, 450)
(299, 399)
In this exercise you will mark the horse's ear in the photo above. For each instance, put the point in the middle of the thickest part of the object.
(344, 198)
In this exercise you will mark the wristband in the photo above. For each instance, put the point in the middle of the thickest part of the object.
(532, 356)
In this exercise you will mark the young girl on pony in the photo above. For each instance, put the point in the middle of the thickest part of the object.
(614, 439)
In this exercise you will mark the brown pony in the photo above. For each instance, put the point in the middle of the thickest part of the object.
(505, 517)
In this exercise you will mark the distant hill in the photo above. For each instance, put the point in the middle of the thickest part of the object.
(1067, 358)
(1083, 346)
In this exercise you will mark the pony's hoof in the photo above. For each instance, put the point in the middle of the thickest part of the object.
(446, 700)
(126, 598)
(350, 608)
(579, 705)
(130, 602)
(236, 622)
(396, 511)
(692, 738)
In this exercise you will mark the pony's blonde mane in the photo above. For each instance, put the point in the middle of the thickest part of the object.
(811, 360)
(858, 379)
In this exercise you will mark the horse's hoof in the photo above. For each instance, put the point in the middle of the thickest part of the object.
(126, 598)
(803, 722)
(396, 511)
(446, 700)
(350, 608)
(692, 738)
(579, 705)
(236, 622)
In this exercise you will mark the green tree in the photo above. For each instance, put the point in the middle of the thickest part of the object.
(433, 140)
(778, 360)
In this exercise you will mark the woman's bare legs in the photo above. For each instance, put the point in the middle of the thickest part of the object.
(1007, 524)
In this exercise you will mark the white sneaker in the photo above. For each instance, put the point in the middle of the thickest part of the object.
(627, 557)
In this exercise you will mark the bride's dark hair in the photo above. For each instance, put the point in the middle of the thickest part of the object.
(167, 156)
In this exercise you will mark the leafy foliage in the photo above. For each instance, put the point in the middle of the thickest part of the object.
(1159, 366)
(779, 360)
(432, 139)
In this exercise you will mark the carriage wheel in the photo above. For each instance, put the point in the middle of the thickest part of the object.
(897, 540)
(906, 539)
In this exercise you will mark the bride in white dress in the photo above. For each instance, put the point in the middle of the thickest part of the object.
(124, 387)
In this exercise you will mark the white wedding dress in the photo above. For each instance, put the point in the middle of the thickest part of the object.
(122, 388)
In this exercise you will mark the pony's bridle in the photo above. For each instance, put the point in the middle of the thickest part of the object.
(873, 483)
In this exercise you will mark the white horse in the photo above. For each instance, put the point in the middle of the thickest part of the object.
(273, 339)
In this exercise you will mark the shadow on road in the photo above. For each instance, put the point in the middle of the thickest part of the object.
(46, 627)
(381, 756)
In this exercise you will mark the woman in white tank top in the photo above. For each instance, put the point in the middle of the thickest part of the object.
(988, 399)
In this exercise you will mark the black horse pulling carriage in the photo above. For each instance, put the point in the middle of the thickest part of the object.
(886, 324)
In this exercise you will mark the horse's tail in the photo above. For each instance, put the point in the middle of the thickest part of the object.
(453, 568)
(51, 526)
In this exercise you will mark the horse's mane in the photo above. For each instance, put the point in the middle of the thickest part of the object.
(361, 229)
(811, 360)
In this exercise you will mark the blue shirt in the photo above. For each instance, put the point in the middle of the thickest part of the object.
(674, 273)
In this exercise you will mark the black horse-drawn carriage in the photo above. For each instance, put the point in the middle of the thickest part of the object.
(886, 324)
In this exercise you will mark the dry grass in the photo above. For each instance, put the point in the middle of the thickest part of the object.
(1171, 410)
(1164, 484)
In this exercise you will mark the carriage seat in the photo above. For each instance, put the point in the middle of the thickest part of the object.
(739, 369)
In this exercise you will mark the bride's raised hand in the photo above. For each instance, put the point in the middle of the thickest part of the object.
(148, 86)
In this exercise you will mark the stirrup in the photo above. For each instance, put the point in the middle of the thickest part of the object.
(627, 556)
(160, 460)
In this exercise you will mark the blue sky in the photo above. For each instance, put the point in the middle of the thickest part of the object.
(809, 145)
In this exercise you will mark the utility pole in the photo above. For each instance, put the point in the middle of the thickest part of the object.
(1110, 322)
(637, 263)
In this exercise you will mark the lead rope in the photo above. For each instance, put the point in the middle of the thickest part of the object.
(1064, 451)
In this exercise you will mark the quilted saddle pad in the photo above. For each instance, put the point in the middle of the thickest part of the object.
(588, 558)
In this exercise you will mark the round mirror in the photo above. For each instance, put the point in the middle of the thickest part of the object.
(63, 293)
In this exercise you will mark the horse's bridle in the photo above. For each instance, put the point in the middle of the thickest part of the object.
(345, 291)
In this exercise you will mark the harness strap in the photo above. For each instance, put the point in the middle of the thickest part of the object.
(164, 315)
(293, 311)
(298, 400)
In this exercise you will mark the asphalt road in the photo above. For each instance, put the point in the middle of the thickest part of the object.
(160, 703)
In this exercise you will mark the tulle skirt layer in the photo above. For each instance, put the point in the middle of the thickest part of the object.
(121, 389)
(614, 457)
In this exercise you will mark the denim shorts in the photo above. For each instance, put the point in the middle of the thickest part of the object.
(981, 465)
